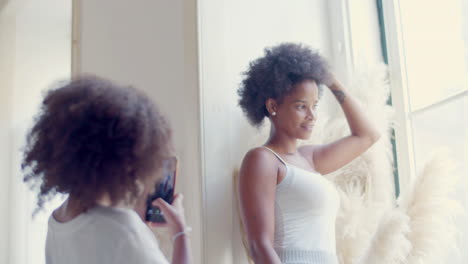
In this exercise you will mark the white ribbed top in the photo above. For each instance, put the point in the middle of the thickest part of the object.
(306, 205)
(102, 235)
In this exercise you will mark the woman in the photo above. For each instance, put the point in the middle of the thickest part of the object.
(288, 208)
(102, 145)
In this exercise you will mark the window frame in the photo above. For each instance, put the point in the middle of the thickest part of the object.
(393, 45)
(395, 51)
(393, 54)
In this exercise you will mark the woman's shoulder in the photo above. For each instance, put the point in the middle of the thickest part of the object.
(259, 155)
(124, 222)
(119, 220)
(260, 161)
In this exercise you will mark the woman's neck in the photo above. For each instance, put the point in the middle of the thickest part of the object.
(282, 142)
(69, 209)
(72, 207)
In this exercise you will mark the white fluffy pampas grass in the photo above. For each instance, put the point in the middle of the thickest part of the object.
(432, 212)
(422, 229)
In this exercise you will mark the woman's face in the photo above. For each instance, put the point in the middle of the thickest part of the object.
(295, 114)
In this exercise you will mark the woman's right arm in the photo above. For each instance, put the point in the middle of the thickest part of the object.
(257, 187)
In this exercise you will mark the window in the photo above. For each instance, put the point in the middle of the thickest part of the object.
(427, 44)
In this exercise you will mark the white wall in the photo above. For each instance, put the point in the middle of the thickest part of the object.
(35, 50)
(3, 3)
(7, 41)
(232, 33)
(151, 45)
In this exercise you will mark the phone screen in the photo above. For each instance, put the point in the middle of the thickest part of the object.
(163, 189)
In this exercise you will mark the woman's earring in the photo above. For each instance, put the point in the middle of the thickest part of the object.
(273, 114)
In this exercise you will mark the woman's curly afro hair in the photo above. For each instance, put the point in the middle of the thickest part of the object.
(93, 136)
(275, 74)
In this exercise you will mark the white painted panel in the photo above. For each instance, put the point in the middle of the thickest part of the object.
(151, 45)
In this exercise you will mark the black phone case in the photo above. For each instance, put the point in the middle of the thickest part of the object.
(165, 190)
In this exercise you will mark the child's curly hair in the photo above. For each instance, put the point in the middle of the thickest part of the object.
(93, 136)
(275, 74)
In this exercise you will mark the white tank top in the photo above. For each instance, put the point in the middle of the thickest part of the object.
(306, 205)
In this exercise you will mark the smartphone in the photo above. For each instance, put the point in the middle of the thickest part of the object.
(164, 189)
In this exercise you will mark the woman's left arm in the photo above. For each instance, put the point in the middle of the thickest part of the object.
(330, 157)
